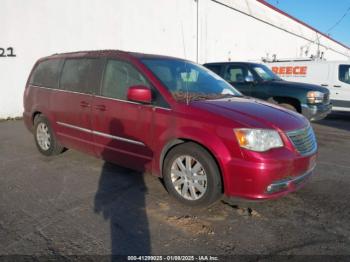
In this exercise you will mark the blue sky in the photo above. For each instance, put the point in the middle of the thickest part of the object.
(321, 14)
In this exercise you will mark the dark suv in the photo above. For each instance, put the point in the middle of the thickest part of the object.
(257, 80)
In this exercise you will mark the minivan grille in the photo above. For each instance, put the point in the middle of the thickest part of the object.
(304, 140)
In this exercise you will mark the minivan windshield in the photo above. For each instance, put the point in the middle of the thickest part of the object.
(187, 80)
(265, 73)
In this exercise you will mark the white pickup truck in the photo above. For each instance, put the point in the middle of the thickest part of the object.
(334, 75)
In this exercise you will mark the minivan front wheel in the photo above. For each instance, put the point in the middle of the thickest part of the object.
(191, 175)
(44, 137)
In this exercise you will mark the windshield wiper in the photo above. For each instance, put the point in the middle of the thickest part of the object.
(182, 96)
(228, 95)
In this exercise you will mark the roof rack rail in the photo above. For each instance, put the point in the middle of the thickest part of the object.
(288, 60)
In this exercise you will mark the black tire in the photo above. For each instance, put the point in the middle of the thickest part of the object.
(288, 106)
(54, 147)
(213, 182)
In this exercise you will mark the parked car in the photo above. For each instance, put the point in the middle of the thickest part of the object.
(257, 80)
(334, 75)
(171, 117)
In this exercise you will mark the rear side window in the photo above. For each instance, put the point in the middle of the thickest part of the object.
(81, 75)
(215, 68)
(46, 73)
(119, 76)
(344, 73)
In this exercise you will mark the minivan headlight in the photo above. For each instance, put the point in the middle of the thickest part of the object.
(259, 140)
(314, 97)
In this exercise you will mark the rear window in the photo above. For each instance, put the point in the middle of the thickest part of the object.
(81, 75)
(46, 73)
(344, 73)
(215, 68)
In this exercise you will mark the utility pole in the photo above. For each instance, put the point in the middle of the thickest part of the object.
(197, 33)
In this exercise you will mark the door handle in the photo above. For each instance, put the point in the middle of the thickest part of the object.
(324, 85)
(336, 86)
(101, 107)
(84, 104)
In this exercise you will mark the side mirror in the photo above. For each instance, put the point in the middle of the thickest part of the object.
(139, 93)
(249, 79)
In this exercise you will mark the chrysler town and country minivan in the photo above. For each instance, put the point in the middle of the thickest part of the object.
(170, 117)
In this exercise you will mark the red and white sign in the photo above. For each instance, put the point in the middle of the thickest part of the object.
(290, 70)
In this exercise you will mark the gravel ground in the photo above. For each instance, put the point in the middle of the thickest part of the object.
(74, 204)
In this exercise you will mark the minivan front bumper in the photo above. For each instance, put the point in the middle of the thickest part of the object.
(316, 112)
(284, 184)
(268, 179)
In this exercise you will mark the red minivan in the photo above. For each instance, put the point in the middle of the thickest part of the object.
(171, 117)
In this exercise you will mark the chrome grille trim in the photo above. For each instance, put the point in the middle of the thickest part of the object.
(304, 140)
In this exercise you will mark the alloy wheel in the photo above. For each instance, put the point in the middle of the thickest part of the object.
(43, 136)
(188, 177)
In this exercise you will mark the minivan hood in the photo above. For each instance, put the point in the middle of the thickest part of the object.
(307, 87)
(253, 113)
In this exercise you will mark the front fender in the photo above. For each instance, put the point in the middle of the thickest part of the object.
(295, 93)
(217, 146)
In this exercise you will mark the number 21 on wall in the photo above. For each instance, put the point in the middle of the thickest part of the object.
(8, 52)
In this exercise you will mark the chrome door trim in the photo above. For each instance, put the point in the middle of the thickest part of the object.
(62, 90)
(118, 138)
(102, 134)
(94, 95)
(119, 100)
(131, 102)
(74, 127)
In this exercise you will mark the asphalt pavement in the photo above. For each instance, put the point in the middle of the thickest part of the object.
(74, 204)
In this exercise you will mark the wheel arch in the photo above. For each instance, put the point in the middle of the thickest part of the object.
(35, 114)
(177, 141)
(288, 100)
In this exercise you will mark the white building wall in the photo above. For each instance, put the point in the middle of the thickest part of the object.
(251, 30)
(40, 28)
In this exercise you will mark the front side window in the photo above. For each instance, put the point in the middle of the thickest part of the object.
(81, 75)
(344, 73)
(265, 73)
(119, 76)
(187, 80)
(237, 74)
(46, 73)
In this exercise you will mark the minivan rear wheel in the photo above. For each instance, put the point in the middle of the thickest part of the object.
(191, 175)
(45, 139)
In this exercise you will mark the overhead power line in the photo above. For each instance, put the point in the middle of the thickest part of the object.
(339, 21)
